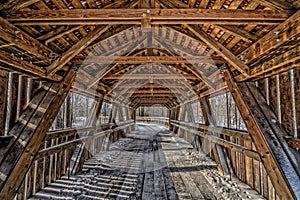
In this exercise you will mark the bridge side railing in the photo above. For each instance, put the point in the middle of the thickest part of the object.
(243, 158)
(56, 155)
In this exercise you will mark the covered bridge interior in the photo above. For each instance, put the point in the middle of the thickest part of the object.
(81, 78)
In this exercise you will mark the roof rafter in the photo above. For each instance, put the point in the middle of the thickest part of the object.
(283, 33)
(243, 34)
(130, 47)
(197, 73)
(25, 67)
(19, 38)
(220, 49)
(75, 49)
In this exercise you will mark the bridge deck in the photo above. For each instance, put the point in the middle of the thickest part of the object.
(150, 163)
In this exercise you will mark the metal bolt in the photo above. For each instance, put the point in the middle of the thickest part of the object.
(148, 11)
(75, 69)
(276, 32)
(273, 121)
(144, 15)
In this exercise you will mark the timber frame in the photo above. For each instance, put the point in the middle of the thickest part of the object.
(141, 53)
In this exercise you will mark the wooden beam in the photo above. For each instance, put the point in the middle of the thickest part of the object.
(240, 33)
(129, 47)
(276, 4)
(104, 36)
(221, 130)
(17, 64)
(154, 91)
(154, 101)
(19, 38)
(220, 49)
(12, 6)
(150, 59)
(94, 112)
(225, 143)
(293, 142)
(217, 151)
(268, 137)
(57, 33)
(149, 76)
(174, 3)
(282, 34)
(191, 68)
(146, 95)
(281, 63)
(4, 76)
(75, 49)
(157, 16)
(29, 132)
(150, 86)
(110, 34)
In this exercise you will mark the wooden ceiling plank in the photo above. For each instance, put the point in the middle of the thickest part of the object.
(220, 49)
(176, 3)
(16, 5)
(110, 34)
(19, 38)
(26, 67)
(75, 49)
(51, 33)
(240, 33)
(197, 73)
(130, 47)
(283, 32)
(282, 62)
(276, 4)
(56, 35)
(161, 16)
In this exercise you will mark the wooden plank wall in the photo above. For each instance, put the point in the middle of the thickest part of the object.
(16, 91)
(54, 158)
(245, 168)
(278, 91)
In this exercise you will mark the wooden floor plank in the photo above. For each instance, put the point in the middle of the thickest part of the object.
(150, 163)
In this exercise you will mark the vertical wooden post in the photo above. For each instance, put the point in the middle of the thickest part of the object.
(68, 111)
(176, 117)
(171, 117)
(218, 153)
(28, 133)
(3, 99)
(180, 132)
(268, 137)
(94, 112)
